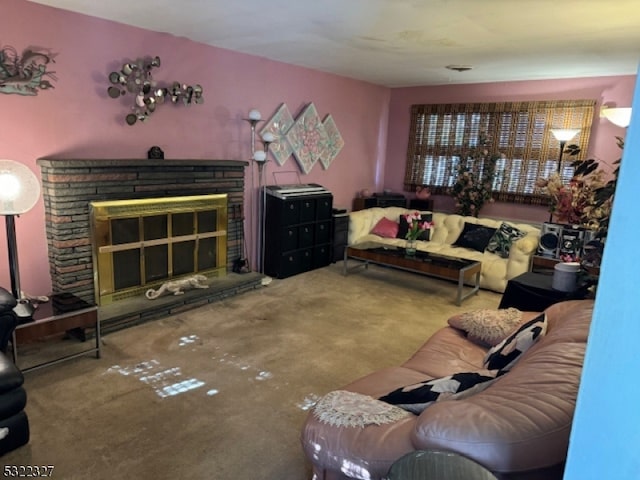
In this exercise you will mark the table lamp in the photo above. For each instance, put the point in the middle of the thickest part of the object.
(19, 192)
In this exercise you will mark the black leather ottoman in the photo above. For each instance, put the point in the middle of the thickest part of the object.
(14, 424)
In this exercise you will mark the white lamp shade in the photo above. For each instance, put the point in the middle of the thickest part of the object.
(564, 134)
(19, 188)
(255, 115)
(260, 155)
(268, 137)
(620, 116)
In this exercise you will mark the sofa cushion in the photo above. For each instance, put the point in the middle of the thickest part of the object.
(385, 228)
(500, 242)
(415, 398)
(487, 326)
(504, 355)
(475, 236)
(403, 226)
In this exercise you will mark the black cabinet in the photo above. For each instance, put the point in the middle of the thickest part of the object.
(340, 236)
(420, 204)
(380, 200)
(297, 233)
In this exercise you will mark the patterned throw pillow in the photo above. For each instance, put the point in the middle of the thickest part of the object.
(474, 236)
(385, 228)
(504, 355)
(403, 227)
(501, 241)
(487, 327)
(415, 398)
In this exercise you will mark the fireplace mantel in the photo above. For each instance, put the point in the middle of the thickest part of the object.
(137, 162)
(69, 185)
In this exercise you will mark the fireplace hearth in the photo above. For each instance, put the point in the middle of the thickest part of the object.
(69, 186)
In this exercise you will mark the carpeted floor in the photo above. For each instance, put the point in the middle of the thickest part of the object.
(221, 392)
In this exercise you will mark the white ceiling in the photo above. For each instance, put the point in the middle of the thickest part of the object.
(399, 43)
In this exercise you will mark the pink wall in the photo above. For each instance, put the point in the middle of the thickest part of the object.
(610, 91)
(76, 119)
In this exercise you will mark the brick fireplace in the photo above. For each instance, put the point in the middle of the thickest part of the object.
(70, 185)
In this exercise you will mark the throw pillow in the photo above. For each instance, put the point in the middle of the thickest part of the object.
(475, 236)
(415, 398)
(403, 227)
(504, 355)
(487, 327)
(385, 228)
(501, 241)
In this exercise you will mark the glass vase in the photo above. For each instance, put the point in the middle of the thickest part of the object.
(410, 249)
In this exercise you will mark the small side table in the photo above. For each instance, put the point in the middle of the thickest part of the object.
(437, 465)
(63, 312)
(340, 236)
(424, 205)
(533, 292)
(540, 264)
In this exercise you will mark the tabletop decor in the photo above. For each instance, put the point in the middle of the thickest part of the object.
(416, 227)
(473, 184)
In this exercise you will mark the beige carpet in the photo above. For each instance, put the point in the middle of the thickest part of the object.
(221, 392)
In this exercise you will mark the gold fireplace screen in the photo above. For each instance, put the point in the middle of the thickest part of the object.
(139, 244)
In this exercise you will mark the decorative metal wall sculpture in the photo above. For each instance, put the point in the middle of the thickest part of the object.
(24, 74)
(136, 78)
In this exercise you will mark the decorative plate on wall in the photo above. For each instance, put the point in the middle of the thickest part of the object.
(308, 138)
(279, 125)
(334, 142)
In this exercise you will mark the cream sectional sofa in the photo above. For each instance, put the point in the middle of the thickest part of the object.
(496, 271)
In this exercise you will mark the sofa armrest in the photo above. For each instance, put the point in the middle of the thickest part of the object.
(8, 323)
(526, 245)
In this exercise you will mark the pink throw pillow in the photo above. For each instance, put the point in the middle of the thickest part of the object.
(385, 228)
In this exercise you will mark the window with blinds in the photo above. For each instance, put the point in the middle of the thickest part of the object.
(441, 134)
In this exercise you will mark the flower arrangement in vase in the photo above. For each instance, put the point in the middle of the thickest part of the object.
(587, 199)
(416, 227)
(473, 186)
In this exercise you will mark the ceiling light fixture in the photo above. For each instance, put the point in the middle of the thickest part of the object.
(459, 68)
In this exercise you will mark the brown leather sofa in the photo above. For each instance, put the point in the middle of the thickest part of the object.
(518, 427)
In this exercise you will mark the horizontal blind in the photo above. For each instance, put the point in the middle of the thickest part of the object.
(441, 133)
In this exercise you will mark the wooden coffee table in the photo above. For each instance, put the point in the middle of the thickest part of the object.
(446, 267)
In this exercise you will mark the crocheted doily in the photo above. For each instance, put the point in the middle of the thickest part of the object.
(348, 409)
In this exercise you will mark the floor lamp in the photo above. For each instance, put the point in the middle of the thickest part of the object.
(260, 157)
(563, 135)
(19, 192)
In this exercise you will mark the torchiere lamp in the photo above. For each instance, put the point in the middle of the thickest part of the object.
(260, 157)
(563, 135)
(19, 192)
